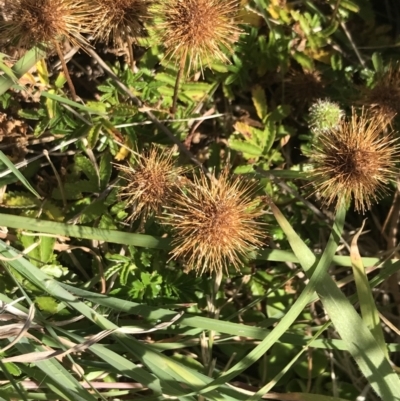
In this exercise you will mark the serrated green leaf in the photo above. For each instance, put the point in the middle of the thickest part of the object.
(249, 133)
(244, 169)
(269, 137)
(305, 61)
(75, 190)
(52, 211)
(43, 252)
(202, 87)
(219, 67)
(55, 271)
(29, 114)
(47, 304)
(166, 78)
(18, 200)
(93, 135)
(248, 149)
(105, 170)
(92, 212)
(125, 272)
(41, 127)
(260, 101)
(46, 248)
(105, 88)
(123, 110)
(98, 106)
(83, 163)
(165, 91)
(231, 78)
(281, 112)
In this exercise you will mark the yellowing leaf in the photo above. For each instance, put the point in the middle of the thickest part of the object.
(124, 151)
(42, 71)
(51, 105)
(320, 55)
(259, 101)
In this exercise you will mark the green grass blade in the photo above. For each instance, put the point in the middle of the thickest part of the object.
(368, 308)
(85, 232)
(301, 302)
(21, 67)
(204, 323)
(5, 160)
(64, 100)
(351, 328)
(268, 387)
(142, 240)
(55, 376)
(139, 350)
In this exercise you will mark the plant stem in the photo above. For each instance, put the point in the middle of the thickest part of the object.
(176, 88)
(65, 69)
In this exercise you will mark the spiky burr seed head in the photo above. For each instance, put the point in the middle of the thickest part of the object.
(214, 223)
(324, 116)
(149, 183)
(195, 32)
(303, 88)
(31, 22)
(354, 161)
(383, 100)
(119, 20)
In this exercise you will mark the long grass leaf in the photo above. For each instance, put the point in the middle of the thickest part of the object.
(368, 308)
(68, 102)
(319, 272)
(85, 232)
(351, 328)
(204, 323)
(56, 377)
(142, 240)
(4, 159)
(140, 350)
(21, 67)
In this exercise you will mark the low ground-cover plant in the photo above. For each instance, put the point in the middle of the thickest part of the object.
(183, 189)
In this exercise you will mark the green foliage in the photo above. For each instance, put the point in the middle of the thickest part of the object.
(69, 249)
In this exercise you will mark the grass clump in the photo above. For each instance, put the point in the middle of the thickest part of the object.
(159, 281)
